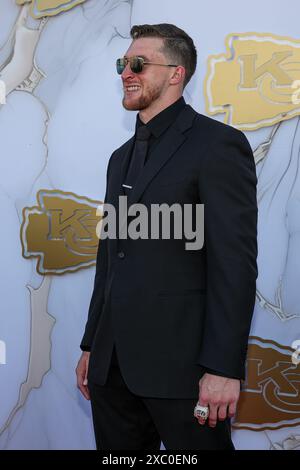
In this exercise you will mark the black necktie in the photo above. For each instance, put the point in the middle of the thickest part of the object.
(138, 157)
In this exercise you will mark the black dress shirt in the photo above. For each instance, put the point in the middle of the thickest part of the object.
(160, 123)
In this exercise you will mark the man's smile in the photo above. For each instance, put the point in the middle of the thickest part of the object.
(131, 88)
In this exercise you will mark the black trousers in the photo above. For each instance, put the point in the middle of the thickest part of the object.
(125, 421)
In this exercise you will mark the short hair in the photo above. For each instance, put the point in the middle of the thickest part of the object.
(178, 45)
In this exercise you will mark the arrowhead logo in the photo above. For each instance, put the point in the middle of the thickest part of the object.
(42, 8)
(60, 232)
(256, 82)
(270, 398)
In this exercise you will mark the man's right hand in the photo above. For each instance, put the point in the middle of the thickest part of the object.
(81, 373)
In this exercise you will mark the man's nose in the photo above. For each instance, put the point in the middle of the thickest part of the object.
(127, 72)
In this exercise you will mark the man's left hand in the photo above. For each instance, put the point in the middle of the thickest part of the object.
(220, 395)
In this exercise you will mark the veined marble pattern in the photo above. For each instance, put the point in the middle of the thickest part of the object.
(51, 67)
(62, 120)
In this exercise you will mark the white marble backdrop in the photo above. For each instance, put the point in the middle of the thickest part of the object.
(58, 132)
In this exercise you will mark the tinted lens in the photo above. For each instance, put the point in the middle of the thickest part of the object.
(120, 64)
(136, 64)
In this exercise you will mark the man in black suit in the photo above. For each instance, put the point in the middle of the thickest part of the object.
(168, 326)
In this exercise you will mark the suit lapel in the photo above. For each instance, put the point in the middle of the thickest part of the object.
(170, 143)
(124, 165)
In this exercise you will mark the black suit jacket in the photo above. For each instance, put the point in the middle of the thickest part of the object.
(170, 311)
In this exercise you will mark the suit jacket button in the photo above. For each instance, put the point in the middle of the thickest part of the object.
(121, 254)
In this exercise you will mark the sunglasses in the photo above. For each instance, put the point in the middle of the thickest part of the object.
(136, 64)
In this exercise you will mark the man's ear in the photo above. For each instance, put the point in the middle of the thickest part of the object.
(178, 75)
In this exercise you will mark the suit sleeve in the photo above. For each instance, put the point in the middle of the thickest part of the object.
(97, 300)
(227, 188)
